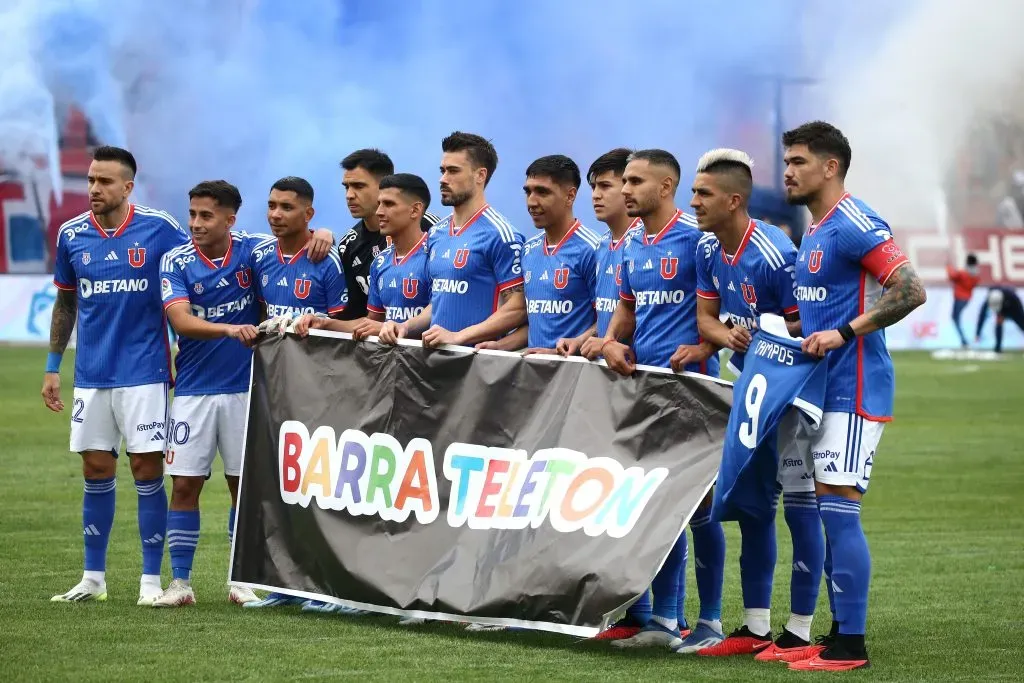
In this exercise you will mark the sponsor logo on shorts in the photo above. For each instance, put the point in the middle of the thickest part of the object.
(792, 462)
(825, 455)
(147, 427)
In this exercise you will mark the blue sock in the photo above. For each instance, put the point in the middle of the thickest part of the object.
(709, 563)
(828, 579)
(666, 586)
(851, 562)
(804, 521)
(152, 523)
(758, 552)
(97, 520)
(231, 526)
(182, 539)
(681, 600)
(640, 611)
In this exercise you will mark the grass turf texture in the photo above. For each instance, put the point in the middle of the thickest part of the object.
(945, 520)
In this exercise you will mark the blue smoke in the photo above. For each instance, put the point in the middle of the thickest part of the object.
(252, 90)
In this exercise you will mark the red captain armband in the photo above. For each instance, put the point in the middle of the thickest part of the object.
(883, 260)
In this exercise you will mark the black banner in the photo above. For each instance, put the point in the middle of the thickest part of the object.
(537, 492)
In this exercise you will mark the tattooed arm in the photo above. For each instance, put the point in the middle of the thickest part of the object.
(62, 322)
(511, 314)
(903, 293)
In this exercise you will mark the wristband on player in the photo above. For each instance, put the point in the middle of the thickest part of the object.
(606, 343)
(53, 361)
(846, 332)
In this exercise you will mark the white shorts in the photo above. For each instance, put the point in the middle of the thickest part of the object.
(102, 418)
(199, 427)
(843, 450)
(794, 476)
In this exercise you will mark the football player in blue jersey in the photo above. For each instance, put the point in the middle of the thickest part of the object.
(473, 257)
(745, 270)
(107, 271)
(398, 287)
(658, 311)
(560, 264)
(852, 281)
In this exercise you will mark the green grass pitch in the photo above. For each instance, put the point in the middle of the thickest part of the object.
(944, 517)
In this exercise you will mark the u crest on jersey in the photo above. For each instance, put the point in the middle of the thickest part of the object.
(410, 287)
(137, 257)
(749, 295)
(301, 288)
(814, 262)
(669, 267)
(461, 257)
(244, 277)
(561, 278)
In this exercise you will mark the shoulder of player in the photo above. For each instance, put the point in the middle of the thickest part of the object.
(771, 243)
(68, 229)
(589, 237)
(533, 242)
(148, 213)
(857, 214)
(501, 225)
(428, 220)
(383, 256)
(439, 227)
(687, 219)
(175, 256)
(708, 245)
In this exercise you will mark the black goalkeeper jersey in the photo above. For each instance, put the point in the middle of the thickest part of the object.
(357, 248)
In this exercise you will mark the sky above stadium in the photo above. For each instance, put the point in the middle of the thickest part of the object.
(252, 90)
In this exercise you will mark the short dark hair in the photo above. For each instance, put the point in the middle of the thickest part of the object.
(558, 167)
(220, 191)
(972, 260)
(300, 186)
(376, 162)
(658, 157)
(409, 184)
(614, 161)
(822, 139)
(479, 150)
(109, 153)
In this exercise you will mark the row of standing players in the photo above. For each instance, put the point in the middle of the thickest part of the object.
(661, 288)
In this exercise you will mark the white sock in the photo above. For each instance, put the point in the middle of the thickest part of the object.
(670, 624)
(150, 581)
(758, 621)
(98, 577)
(800, 625)
(716, 624)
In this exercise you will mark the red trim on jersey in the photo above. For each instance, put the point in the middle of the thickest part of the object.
(883, 260)
(209, 262)
(708, 295)
(176, 300)
(743, 245)
(170, 362)
(814, 226)
(860, 360)
(336, 309)
(374, 309)
(120, 229)
(551, 251)
(293, 259)
(61, 285)
(791, 309)
(502, 286)
(648, 240)
(455, 232)
(626, 297)
(399, 261)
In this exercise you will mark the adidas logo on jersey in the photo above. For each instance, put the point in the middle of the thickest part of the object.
(610, 271)
(356, 262)
(732, 287)
(283, 282)
(649, 265)
(392, 284)
(223, 283)
(447, 254)
(544, 276)
(112, 256)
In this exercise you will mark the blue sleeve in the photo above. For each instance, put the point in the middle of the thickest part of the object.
(334, 284)
(706, 252)
(173, 287)
(625, 290)
(373, 298)
(506, 259)
(63, 272)
(859, 237)
(590, 272)
(784, 278)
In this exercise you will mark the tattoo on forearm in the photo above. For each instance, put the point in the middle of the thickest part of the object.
(903, 293)
(65, 310)
(506, 293)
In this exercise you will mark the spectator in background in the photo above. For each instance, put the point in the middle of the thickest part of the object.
(964, 281)
(1004, 303)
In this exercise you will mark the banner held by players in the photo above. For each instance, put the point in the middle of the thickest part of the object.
(467, 486)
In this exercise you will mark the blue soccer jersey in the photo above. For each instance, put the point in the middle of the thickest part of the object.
(778, 376)
(560, 282)
(470, 267)
(609, 278)
(219, 292)
(399, 287)
(122, 334)
(757, 279)
(293, 285)
(659, 275)
(843, 263)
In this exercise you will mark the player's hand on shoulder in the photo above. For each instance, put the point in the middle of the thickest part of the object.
(820, 343)
(739, 339)
(367, 328)
(619, 358)
(391, 332)
(51, 392)
(320, 245)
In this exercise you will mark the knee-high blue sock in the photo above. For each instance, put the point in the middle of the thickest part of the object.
(851, 562)
(152, 523)
(640, 611)
(681, 599)
(182, 539)
(758, 552)
(708, 563)
(804, 521)
(666, 586)
(828, 579)
(97, 520)
(231, 526)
